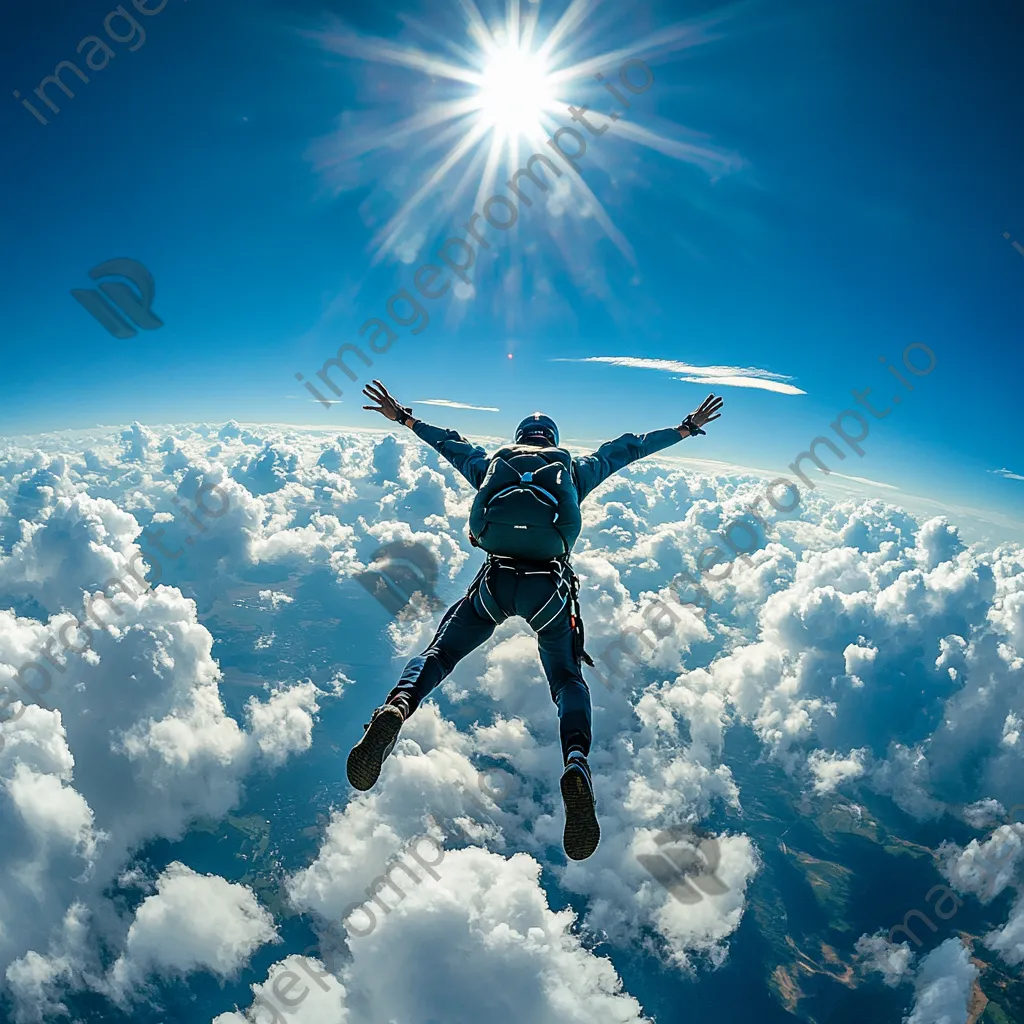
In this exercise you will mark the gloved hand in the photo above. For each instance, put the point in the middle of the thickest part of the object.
(708, 411)
(386, 405)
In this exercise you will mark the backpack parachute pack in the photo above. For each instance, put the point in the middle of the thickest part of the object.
(527, 505)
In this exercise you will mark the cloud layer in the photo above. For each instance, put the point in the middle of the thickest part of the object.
(866, 653)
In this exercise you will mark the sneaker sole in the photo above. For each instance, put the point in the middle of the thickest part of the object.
(582, 831)
(367, 756)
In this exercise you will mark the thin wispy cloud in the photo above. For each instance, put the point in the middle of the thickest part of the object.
(330, 401)
(735, 381)
(716, 376)
(1007, 474)
(448, 404)
(865, 480)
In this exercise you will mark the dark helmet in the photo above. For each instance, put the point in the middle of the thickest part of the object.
(538, 423)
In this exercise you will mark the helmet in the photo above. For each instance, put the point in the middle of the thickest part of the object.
(538, 423)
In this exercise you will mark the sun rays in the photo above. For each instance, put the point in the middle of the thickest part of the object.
(477, 104)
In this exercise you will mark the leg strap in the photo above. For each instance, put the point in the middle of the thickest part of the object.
(554, 605)
(482, 590)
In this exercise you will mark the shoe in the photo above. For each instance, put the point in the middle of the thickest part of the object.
(379, 737)
(582, 831)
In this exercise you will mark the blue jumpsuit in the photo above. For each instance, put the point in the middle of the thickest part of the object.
(507, 587)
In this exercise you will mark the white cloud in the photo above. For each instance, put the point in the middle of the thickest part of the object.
(711, 376)
(51, 810)
(1008, 940)
(864, 480)
(491, 933)
(830, 771)
(79, 544)
(283, 725)
(985, 869)
(942, 985)
(298, 990)
(133, 742)
(861, 647)
(735, 380)
(193, 922)
(138, 442)
(984, 813)
(448, 404)
(894, 961)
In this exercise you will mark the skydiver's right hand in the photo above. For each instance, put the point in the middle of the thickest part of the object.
(386, 405)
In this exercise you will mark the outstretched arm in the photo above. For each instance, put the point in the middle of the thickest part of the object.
(612, 456)
(469, 459)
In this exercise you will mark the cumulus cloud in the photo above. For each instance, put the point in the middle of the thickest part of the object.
(267, 470)
(138, 442)
(283, 724)
(985, 869)
(79, 544)
(1008, 940)
(983, 813)
(942, 985)
(894, 961)
(193, 922)
(299, 990)
(831, 770)
(491, 932)
(115, 730)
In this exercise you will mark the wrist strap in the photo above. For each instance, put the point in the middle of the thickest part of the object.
(691, 426)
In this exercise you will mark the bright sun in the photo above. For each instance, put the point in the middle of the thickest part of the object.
(504, 91)
(515, 93)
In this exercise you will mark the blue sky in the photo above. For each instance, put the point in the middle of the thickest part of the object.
(870, 165)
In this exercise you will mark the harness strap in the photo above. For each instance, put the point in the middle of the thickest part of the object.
(560, 591)
(561, 568)
(477, 586)
(576, 620)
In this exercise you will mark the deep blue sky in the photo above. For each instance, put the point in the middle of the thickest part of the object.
(883, 150)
